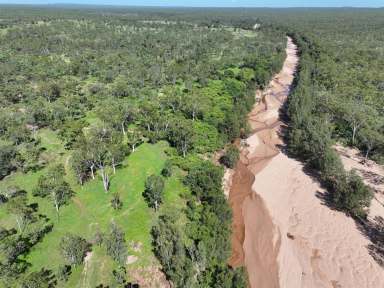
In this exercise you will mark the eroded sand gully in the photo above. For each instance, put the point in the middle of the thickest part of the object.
(282, 232)
(254, 243)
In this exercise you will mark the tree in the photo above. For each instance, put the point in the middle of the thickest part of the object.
(116, 113)
(50, 91)
(181, 135)
(103, 149)
(147, 112)
(117, 152)
(40, 279)
(227, 277)
(120, 87)
(195, 105)
(134, 138)
(371, 137)
(204, 180)
(154, 191)
(27, 157)
(79, 164)
(70, 130)
(169, 248)
(7, 155)
(114, 242)
(54, 186)
(355, 114)
(173, 98)
(18, 207)
(73, 248)
(11, 247)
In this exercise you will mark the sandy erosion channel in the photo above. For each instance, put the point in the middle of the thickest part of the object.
(282, 232)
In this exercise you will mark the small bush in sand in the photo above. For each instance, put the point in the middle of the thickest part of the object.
(230, 157)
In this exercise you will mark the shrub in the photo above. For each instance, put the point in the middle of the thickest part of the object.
(114, 242)
(63, 273)
(352, 195)
(120, 275)
(204, 180)
(116, 202)
(231, 156)
(167, 169)
(7, 155)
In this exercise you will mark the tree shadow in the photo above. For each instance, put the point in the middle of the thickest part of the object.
(373, 229)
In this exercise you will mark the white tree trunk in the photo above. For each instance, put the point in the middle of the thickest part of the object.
(123, 128)
(113, 166)
(353, 134)
(105, 178)
(367, 153)
(18, 221)
(56, 206)
(92, 173)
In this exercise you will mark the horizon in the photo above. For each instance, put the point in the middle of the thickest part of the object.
(202, 3)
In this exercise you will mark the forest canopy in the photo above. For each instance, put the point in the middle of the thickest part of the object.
(107, 119)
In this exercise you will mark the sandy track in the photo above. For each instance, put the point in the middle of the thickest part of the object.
(282, 232)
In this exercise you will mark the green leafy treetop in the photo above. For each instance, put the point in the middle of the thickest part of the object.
(154, 191)
(74, 248)
(53, 185)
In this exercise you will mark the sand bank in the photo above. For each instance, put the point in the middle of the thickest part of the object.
(282, 232)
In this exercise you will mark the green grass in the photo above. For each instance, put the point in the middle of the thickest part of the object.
(90, 211)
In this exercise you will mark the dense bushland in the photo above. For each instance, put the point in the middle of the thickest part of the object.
(105, 83)
(342, 58)
(310, 135)
(197, 256)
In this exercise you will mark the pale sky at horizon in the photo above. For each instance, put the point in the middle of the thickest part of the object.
(212, 3)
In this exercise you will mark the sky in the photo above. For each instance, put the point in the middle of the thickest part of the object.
(214, 3)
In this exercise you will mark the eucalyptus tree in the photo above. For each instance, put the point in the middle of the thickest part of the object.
(154, 191)
(74, 248)
(181, 135)
(134, 137)
(53, 185)
(116, 113)
(100, 148)
(19, 208)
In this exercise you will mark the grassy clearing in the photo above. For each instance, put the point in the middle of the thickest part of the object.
(90, 210)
